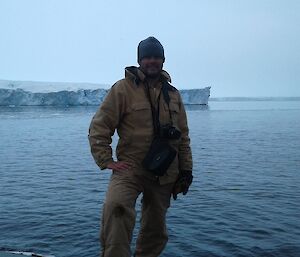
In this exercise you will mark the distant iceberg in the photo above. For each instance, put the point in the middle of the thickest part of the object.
(26, 93)
(19, 97)
(195, 96)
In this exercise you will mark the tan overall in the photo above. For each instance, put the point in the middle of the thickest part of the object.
(118, 216)
(127, 110)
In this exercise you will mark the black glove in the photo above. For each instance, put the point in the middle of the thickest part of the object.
(183, 183)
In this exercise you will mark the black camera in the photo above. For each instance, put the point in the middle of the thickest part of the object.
(169, 132)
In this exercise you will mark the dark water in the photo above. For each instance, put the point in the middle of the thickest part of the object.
(245, 199)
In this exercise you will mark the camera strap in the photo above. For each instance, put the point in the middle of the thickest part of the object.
(155, 111)
(167, 98)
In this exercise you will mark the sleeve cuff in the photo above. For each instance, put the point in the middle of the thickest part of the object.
(103, 164)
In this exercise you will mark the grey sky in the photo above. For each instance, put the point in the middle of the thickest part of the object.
(240, 48)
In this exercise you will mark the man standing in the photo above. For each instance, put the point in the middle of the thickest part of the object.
(137, 108)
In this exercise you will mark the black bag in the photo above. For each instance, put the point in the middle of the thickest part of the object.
(159, 157)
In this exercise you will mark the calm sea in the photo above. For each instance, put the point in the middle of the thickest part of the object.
(245, 199)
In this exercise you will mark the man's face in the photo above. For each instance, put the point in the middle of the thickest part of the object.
(151, 66)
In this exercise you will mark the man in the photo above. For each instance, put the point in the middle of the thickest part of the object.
(129, 108)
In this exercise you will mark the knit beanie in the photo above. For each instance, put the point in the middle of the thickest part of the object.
(150, 47)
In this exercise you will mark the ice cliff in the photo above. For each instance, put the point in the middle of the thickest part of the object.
(18, 93)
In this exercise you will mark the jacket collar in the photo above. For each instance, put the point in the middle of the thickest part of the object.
(134, 73)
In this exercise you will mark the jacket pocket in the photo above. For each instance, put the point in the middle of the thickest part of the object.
(141, 106)
(142, 115)
(174, 108)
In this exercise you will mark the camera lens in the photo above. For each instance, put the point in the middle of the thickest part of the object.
(170, 132)
(174, 133)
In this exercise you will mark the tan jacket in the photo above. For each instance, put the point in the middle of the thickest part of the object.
(126, 108)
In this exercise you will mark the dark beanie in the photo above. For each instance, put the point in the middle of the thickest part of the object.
(150, 47)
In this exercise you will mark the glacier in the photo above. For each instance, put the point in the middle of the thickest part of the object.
(32, 93)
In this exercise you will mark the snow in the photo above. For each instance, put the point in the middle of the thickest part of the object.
(32, 93)
(47, 87)
(28, 254)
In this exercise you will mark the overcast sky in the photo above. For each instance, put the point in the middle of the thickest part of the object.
(239, 48)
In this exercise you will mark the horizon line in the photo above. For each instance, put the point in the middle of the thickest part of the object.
(180, 89)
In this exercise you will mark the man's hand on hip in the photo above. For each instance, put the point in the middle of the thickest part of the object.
(119, 165)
